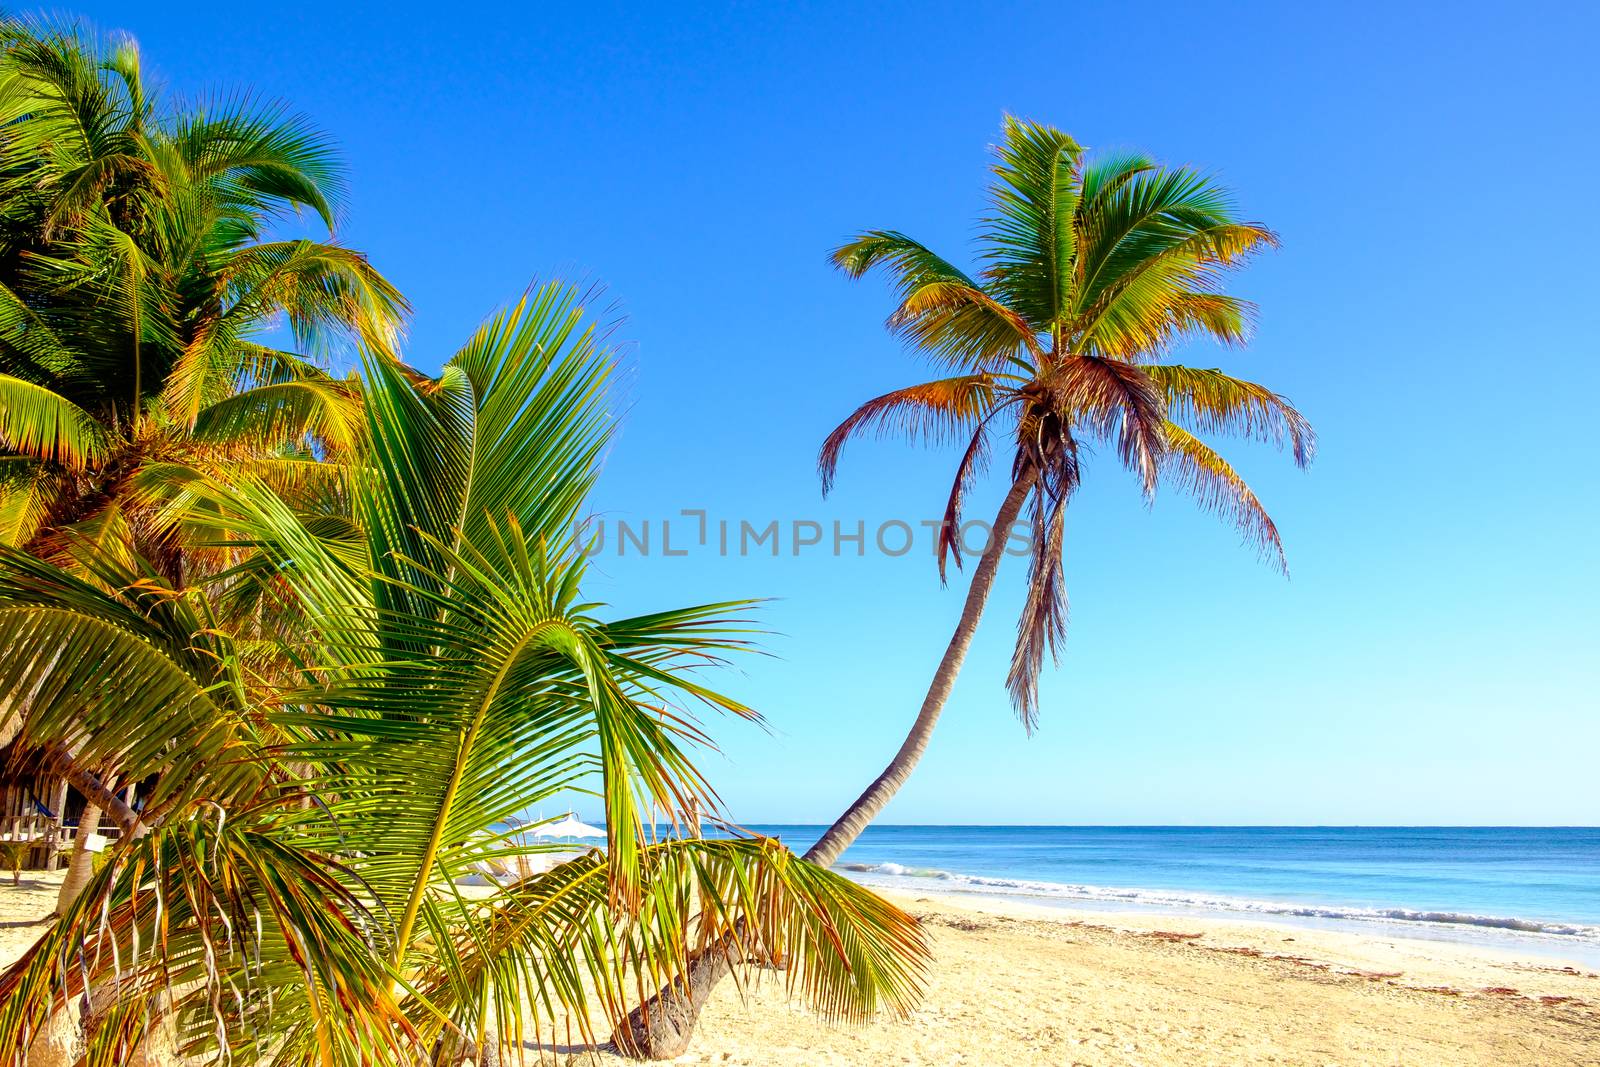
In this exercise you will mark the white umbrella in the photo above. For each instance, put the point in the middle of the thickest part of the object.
(568, 827)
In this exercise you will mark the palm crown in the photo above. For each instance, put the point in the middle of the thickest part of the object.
(1091, 271)
(138, 287)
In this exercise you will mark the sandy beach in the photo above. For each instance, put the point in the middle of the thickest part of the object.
(1016, 984)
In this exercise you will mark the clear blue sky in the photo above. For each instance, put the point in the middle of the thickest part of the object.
(1432, 173)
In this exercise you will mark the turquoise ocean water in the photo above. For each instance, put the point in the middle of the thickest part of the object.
(1527, 888)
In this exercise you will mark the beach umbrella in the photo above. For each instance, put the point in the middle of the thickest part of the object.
(568, 827)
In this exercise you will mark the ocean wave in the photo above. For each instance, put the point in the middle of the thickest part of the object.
(949, 881)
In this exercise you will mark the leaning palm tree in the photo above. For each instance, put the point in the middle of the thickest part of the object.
(138, 293)
(291, 892)
(1092, 270)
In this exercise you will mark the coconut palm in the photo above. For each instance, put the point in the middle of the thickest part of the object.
(1091, 271)
(139, 290)
(291, 886)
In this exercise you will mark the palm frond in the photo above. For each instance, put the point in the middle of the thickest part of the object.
(326, 413)
(1103, 176)
(202, 917)
(555, 938)
(1214, 402)
(1199, 471)
(29, 494)
(973, 462)
(260, 155)
(1030, 242)
(941, 312)
(539, 372)
(1153, 249)
(31, 340)
(1115, 400)
(932, 412)
(68, 99)
(175, 708)
(325, 291)
(1042, 626)
(37, 422)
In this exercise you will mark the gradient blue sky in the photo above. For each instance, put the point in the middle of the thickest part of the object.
(1432, 174)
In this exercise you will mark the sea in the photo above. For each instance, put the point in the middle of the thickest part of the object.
(1531, 889)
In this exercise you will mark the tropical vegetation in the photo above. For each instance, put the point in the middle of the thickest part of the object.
(145, 268)
(346, 623)
(1091, 271)
(291, 885)
(142, 279)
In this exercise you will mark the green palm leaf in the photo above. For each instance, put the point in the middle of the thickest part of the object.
(554, 938)
(37, 422)
(29, 492)
(326, 413)
(942, 311)
(1030, 242)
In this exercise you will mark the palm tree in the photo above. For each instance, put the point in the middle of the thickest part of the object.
(137, 293)
(291, 886)
(1092, 270)
(138, 290)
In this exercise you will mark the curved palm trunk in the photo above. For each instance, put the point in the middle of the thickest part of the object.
(101, 799)
(847, 827)
(102, 796)
(661, 1027)
(81, 866)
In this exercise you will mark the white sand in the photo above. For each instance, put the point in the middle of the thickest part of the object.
(1015, 984)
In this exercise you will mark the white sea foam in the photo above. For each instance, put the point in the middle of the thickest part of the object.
(889, 875)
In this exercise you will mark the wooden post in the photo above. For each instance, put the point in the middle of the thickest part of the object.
(58, 829)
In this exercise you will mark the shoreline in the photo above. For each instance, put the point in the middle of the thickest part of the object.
(1141, 907)
(1526, 888)
(1430, 963)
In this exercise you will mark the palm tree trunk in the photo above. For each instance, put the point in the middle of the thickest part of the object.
(661, 1027)
(847, 827)
(81, 867)
(100, 795)
(100, 798)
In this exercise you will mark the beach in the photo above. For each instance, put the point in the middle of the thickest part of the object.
(1016, 983)
(1021, 984)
